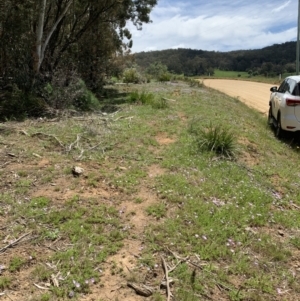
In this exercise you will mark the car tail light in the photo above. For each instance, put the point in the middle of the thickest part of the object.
(292, 102)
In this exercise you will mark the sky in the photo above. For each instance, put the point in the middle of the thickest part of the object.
(217, 25)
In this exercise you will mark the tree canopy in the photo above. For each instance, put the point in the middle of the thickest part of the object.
(271, 60)
(40, 37)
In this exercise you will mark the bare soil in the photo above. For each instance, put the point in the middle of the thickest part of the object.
(253, 94)
(113, 285)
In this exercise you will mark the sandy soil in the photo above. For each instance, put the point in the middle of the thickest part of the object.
(255, 95)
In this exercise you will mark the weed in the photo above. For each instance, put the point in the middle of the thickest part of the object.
(41, 273)
(5, 282)
(157, 210)
(217, 139)
(138, 200)
(45, 297)
(39, 202)
(16, 264)
(159, 103)
(22, 173)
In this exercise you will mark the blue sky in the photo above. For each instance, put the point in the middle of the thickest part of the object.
(217, 25)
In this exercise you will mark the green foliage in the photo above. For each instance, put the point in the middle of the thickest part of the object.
(86, 100)
(147, 99)
(45, 297)
(230, 74)
(92, 50)
(217, 139)
(39, 202)
(131, 75)
(18, 104)
(16, 264)
(159, 103)
(164, 77)
(159, 71)
(141, 97)
(5, 282)
(274, 60)
(157, 210)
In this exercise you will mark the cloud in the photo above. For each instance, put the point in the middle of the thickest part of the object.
(217, 25)
(280, 8)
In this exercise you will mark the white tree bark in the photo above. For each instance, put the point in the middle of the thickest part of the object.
(40, 45)
(39, 35)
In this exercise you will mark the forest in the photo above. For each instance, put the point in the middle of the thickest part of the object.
(269, 61)
(54, 53)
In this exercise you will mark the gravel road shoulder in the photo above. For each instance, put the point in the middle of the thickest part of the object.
(253, 94)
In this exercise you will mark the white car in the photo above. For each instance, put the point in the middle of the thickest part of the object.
(284, 112)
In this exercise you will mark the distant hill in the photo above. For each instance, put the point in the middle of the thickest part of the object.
(271, 60)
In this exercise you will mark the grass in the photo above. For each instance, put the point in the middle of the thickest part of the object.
(230, 74)
(229, 226)
(241, 75)
(218, 139)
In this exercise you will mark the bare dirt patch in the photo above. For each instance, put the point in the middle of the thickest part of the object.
(163, 139)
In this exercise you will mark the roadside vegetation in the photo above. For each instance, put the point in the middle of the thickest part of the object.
(169, 187)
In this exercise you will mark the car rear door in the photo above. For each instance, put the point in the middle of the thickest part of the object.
(279, 96)
(296, 93)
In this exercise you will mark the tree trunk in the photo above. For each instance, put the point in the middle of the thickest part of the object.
(39, 36)
(40, 46)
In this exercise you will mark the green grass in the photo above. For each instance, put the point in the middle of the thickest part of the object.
(230, 74)
(241, 75)
(229, 226)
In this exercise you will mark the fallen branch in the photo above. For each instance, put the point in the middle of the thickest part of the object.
(80, 156)
(165, 268)
(12, 244)
(24, 133)
(142, 290)
(168, 99)
(48, 135)
(6, 163)
(40, 287)
(69, 148)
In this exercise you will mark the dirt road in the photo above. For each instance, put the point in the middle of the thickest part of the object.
(255, 95)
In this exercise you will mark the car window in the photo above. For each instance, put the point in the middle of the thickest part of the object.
(296, 90)
(283, 87)
(291, 85)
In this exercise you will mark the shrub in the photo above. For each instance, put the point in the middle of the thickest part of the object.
(17, 104)
(164, 77)
(159, 103)
(147, 99)
(131, 75)
(86, 100)
(217, 139)
(143, 97)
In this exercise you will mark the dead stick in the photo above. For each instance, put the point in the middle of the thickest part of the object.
(48, 135)
(40, 287)
(167, 277)
(69, 148)
(13, 243)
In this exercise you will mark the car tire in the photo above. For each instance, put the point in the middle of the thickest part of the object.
(270, 117)
(278, 130)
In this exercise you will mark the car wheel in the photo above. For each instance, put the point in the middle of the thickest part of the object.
(270, 117)
(279, 131)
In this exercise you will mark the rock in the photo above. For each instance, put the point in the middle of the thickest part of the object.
(77, 171)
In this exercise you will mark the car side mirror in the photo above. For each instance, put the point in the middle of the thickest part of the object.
(273, 89)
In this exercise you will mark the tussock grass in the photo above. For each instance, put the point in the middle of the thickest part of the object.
(217, 139)
(147, 98)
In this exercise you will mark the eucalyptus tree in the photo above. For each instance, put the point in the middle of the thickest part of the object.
(38, 37)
